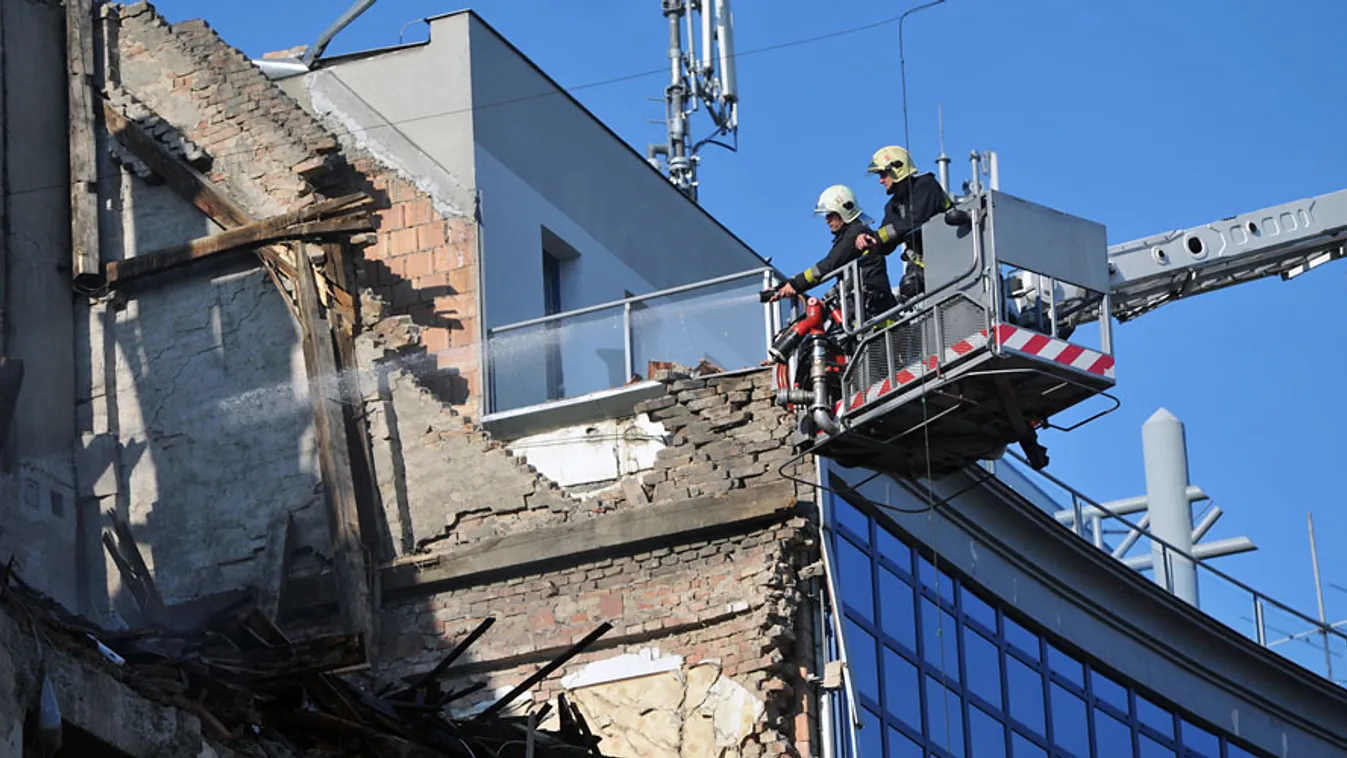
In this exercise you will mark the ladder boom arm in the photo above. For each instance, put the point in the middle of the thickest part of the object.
(1284, 240)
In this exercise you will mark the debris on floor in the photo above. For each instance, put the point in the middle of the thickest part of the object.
(260, 693)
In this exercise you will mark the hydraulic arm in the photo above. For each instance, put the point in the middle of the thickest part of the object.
(1283, 240)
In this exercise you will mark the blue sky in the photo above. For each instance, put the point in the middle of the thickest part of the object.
(1146, 116)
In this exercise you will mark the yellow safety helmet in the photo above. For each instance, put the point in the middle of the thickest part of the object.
(894, 161)
(841, 200)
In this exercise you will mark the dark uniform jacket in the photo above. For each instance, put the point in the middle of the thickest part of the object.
(874, 273)
(912, 202)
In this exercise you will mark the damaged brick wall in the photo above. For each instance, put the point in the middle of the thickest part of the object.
(733, 599)
(732, 605)
(213, 347)
(442, 480)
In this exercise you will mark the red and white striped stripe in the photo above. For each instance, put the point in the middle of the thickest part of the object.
(915, 371)
(1011, 337)
(1053, 349)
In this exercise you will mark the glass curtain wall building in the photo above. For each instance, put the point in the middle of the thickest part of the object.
(940, 667)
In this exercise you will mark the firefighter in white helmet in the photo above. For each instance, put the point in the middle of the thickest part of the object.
(913, 200)
(837, 204)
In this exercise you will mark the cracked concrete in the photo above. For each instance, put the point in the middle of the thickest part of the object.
(694, 710)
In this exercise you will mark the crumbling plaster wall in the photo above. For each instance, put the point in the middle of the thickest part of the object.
(38, 519)
(194, 414)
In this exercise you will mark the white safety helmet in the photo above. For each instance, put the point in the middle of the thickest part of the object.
(841, 200)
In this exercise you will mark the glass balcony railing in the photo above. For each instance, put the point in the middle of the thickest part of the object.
(1314, 645)
(606, 346)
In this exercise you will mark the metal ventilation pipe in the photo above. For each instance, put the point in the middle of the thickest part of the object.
(342, 22)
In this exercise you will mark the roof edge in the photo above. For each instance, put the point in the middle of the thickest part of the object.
(473, 15)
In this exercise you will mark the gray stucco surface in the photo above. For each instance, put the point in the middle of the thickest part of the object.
(588, 173)
(39, 516)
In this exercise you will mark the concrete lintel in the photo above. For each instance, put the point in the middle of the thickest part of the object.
(615, 534)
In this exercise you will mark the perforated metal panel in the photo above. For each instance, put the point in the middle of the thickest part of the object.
(924, 343)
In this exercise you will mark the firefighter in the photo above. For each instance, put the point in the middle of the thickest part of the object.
(837, 204)
(913, 200)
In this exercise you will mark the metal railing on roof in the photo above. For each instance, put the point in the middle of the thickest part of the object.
(1302, 639)
(608, 345)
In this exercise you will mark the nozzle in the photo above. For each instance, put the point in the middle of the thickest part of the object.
(766, 296)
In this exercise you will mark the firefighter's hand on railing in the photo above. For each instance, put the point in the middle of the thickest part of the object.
(771, 296)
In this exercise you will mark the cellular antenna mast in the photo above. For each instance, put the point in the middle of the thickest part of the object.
(698, 77)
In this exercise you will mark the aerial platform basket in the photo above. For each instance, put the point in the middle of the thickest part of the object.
(983, 360)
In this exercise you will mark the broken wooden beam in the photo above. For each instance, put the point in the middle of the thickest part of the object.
(191, 185)
(334, 458)
(275, 564)
(316, 655)
(135, 572)
(84, 250)
(272, 230)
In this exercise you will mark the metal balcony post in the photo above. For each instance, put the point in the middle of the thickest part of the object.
(626, 340)
(767, 310)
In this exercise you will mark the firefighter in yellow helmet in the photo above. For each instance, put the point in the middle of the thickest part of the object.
(913, 200)
(837, 204)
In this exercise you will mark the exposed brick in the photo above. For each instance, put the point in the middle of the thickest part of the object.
(683, 385)
(417, 265)
(463, 279)
(418, 210)
(430, 235)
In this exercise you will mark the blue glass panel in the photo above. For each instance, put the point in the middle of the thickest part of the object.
(943, 712)
(870, 738)
(897, 613)
(850, 517)
(987, 736)
(983, 663)
(940, 639)
(930, 576)
(1152, 749)
(902, 698)
(854, 581)
(1235, 751)
(1023, 639)
(1020, 747)
(1109, 691)
(1066, 666)
(1112, 737)
(978, 609)
(1070, 722)
(902, 747)
(891, 548)
(1198, 741)
(1155, 717)
(863, 659)
(1026, 694)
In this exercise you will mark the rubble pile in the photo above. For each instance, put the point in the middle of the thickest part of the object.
(260, 693)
